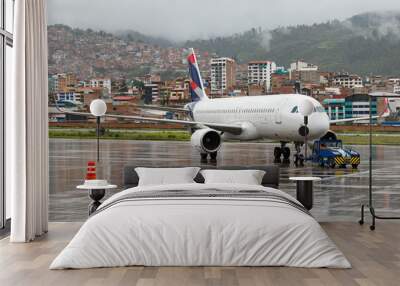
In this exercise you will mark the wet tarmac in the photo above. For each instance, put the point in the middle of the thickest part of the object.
(337, 197)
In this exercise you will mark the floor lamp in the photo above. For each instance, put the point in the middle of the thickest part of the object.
(98, 108)
(370, 198)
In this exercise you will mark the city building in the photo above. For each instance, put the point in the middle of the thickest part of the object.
(300, 65)
(100, 82)
(332, 91)
(347, 80)
(260, 73)
(178, 95)
(394, 80)
(71, 97)
(309, 76)
(149, 78)
(281, 83)
(304, 72)
(88, 94)
(151, 93)
(223, 75)
(165, 94)
(61, 82)
(241, 75)
(123, 100)
(255, 89)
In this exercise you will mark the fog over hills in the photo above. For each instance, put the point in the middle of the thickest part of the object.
(364, 44)
(181, 20)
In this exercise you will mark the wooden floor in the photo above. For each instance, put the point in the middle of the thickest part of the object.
(375, 257)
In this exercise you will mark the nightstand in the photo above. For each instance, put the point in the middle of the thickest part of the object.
(96, 193)
(304, 190)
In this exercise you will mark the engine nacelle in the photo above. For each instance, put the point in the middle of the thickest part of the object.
(206, 140)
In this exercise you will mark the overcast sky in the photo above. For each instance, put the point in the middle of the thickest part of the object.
(190, 19)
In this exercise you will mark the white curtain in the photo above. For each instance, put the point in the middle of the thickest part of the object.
(26, 124)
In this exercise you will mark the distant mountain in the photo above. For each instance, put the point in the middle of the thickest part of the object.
(134, 36)
(88, 53)
(366, 43)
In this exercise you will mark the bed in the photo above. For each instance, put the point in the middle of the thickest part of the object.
(199, 224)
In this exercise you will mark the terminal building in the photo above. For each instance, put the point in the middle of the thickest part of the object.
(352, 106)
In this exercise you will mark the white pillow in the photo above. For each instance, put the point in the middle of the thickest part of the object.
(246, 177)
(166, 176)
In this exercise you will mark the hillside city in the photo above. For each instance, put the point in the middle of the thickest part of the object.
(126, 72)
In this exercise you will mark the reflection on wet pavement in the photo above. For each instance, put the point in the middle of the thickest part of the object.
(337, 197)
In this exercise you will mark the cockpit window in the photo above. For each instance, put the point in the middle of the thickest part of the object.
(319, 109)
(295, 109)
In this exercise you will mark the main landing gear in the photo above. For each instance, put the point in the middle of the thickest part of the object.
(298, 157)
(282, 151)
(213, 157)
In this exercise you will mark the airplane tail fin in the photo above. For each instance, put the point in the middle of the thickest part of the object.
(196, 87)
(388, 110)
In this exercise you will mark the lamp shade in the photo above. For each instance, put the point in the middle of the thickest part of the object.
(306, 108)
(98, 107)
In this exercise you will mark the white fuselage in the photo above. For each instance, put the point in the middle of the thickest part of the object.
(266, 116)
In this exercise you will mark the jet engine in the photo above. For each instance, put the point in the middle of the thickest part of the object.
(206, 140)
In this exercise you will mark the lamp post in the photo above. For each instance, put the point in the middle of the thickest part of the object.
(370, 205)
(306, 109)
(98, 108)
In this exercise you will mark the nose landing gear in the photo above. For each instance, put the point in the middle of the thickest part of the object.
(298, 157)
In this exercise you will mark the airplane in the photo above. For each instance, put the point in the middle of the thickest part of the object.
(276, 117)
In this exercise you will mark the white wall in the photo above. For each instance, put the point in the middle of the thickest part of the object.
(7, 95)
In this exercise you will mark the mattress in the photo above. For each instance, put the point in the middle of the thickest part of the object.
(201, 225)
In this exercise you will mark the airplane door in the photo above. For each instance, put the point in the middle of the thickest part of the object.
(278, 116)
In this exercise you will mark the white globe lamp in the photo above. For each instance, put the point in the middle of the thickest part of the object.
(98, 107)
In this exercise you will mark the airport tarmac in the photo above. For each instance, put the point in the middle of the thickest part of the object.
(336, 198)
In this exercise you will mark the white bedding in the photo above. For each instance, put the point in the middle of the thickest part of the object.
(200, 231)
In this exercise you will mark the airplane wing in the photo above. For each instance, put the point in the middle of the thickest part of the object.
(230, 128)
(353, 119)
(163, 108)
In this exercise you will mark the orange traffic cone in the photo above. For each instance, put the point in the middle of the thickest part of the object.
(91, 171)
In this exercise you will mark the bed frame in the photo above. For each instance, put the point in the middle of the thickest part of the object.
(271, 177)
